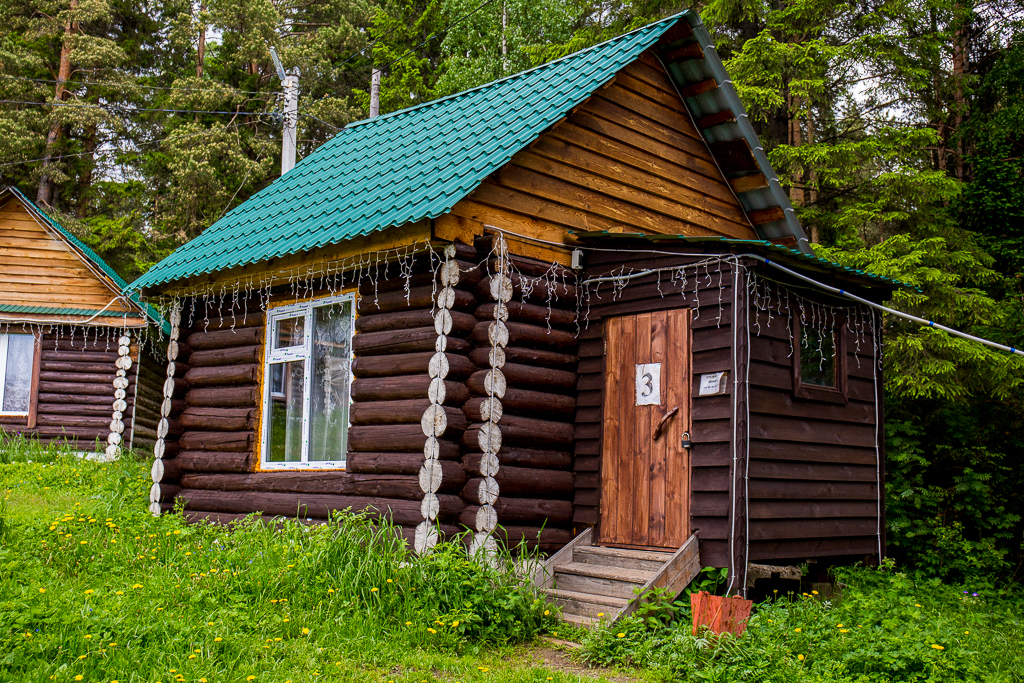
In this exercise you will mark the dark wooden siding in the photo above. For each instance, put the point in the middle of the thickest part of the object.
(711, 432)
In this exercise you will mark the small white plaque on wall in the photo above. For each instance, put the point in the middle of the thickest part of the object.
(648, 384)
(712, 383)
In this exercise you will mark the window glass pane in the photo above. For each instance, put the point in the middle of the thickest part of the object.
(817, 357)
(288, 332)
(18, 377)
(287, 384)
(332, 352)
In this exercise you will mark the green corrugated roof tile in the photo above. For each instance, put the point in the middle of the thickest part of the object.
(57, 310)
(403, 166)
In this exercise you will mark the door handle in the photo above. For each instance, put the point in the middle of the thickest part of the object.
(663, 421)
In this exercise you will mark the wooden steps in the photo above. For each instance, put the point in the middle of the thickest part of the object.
(595, 583)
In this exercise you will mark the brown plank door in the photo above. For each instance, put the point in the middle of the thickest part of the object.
(645, 471)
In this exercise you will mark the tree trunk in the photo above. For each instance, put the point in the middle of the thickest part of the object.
(44, 195)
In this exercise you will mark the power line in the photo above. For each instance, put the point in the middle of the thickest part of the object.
(130, 85)
(119, 106)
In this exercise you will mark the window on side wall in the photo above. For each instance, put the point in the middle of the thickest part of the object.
(17, 357)
(306, 384)
(819, 361)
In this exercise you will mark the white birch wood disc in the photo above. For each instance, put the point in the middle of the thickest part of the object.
(165, 408)
(175, 317)
(119, 393)
(113, 439)
(162, 428)
(113, 450)
(120, 373)
(450, 273)
(117, 415)
(494, 383)
(117, 426)
(125, 362)
(491, 409)
(497, 334)
(434, 420)
(120, 383)
(156, 472)
(501, 287)
(437, 391)
(430, 476)
(486, 518)
(443, 321)
(441, 343)
(124, 340)
(171, 368)
(174, 333)
(158, 449)
(496, 357)
(438, 366)
(154, 509)
(488, 490)
(489, 438)
(120, 405)
(172, 350)
(123, 350)
(449, 250)
(169, 387)
(483, 543)
(425, 538)
(489, 464)
(431, 448)
(430, 506)
(154, 493)
(446, 298)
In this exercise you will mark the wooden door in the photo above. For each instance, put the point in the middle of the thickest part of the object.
(645, 481)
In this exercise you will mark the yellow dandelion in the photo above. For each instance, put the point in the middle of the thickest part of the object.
(305, 631)
(797, 630)
(209, 623)
(330, 590)
(88, 592)
(276, 640)
(814, 592)
(916, 605)
(138, 585)
(191, 656)
(844, 630)
(800, 657)
(967, 633)
(600, 614)
(547, 612)
(113, 644)
(455, 623)
(82, 656)
(217, 640)
(432, 630)
(390, 581)
(408, 623)
(272, 602)
(250, 678)
(78, 677)
(373, 590)
(839, 625)
(87, 637)
(202, 680)
(119, 592)
(937, 647)
(286, 620)
(620, 635)
(42, 590)
(198, 650)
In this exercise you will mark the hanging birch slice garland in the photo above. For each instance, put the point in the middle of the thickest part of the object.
(490, 409)
(450, 273)
(117, 415)
(154, 493)
(114, 439)
(124, 340)
(124, 362)
(486, 518)
(436, 392)
(165, 408)
(438, 366)
(154, 509)
(425, 538)
(170, 369)
(431, 448)
(156, 472)
(162, 427)
(117, 426)
(443, 322)
(120, 382)
(488, 491)
(434, 420)
(113, 450)
(488, 464)
(441, 344)
(497, 333)
(483, 543)
(169, 387)
(123, 350)
(120, 405)
(446, 298)
(175, 317)
(494, 383)
(489, 438)
(500, 311)
(430, 506)
(501, 287)
(496, 357)
(119, 373)
(172, 350)
(158, 449)
(119, 393)
(430, 476)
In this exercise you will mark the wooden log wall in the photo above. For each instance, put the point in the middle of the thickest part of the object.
(151, 373)
(75, 389)
(711, 431)
(537, 400)
(813, 480)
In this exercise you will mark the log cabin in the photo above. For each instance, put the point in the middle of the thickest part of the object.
(72, 364)
(569, 308)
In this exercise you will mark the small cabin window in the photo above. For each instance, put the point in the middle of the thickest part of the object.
(819, 361)
(17, 353)
(307, 384)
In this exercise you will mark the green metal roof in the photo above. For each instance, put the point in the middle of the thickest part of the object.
(57, 310)
(89, 254)
(402, 167)
(754, 245)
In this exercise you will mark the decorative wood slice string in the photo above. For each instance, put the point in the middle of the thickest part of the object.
(483, 542)
(489, 464)
(425, 538)
(117, 426)
(171, 368)
(486, 518)
(430, 506)
(165, 407)
(441, 344)
(497, 334)
(120, 405)
(124, 340)
(114, 439)
(430, 476)
(490, 409)
(120, 393)
(169, 387)
(496, 357)
(175, 317)
(159, 448)
(123, 350)
(501, 311)
(117, 415)
(156, 472)
(450, 273)
(443, 321)
(154, 493)
(155, 509)
(501, 288)
(162, 428)
(436, 392)
(120, 373)
(431, 448)
(120, 382)
(123, 362)
(434, 420)
(489, 438)
(438, 366)
(446, 298)
(494, 383)
(488, 491)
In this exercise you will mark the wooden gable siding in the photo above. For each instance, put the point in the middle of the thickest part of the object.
(813, 473)
(711, 416)
(38, 268)
(629, 159)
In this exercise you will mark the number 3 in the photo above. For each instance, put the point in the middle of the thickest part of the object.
(648, 386)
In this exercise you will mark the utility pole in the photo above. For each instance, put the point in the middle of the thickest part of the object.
(504, 40)
(290, 83)
(375, 93)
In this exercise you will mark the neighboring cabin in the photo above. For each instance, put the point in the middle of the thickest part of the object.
(539, 310)
(69, 339)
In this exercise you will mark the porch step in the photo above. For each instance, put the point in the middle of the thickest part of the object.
(580, 620)
(586, 604)
(600, 579)
(625, 558)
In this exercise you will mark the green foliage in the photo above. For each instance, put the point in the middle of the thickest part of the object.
(84, 566)
(884, 626)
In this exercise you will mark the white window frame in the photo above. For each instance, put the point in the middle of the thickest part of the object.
(4, 342)
(304, 353)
